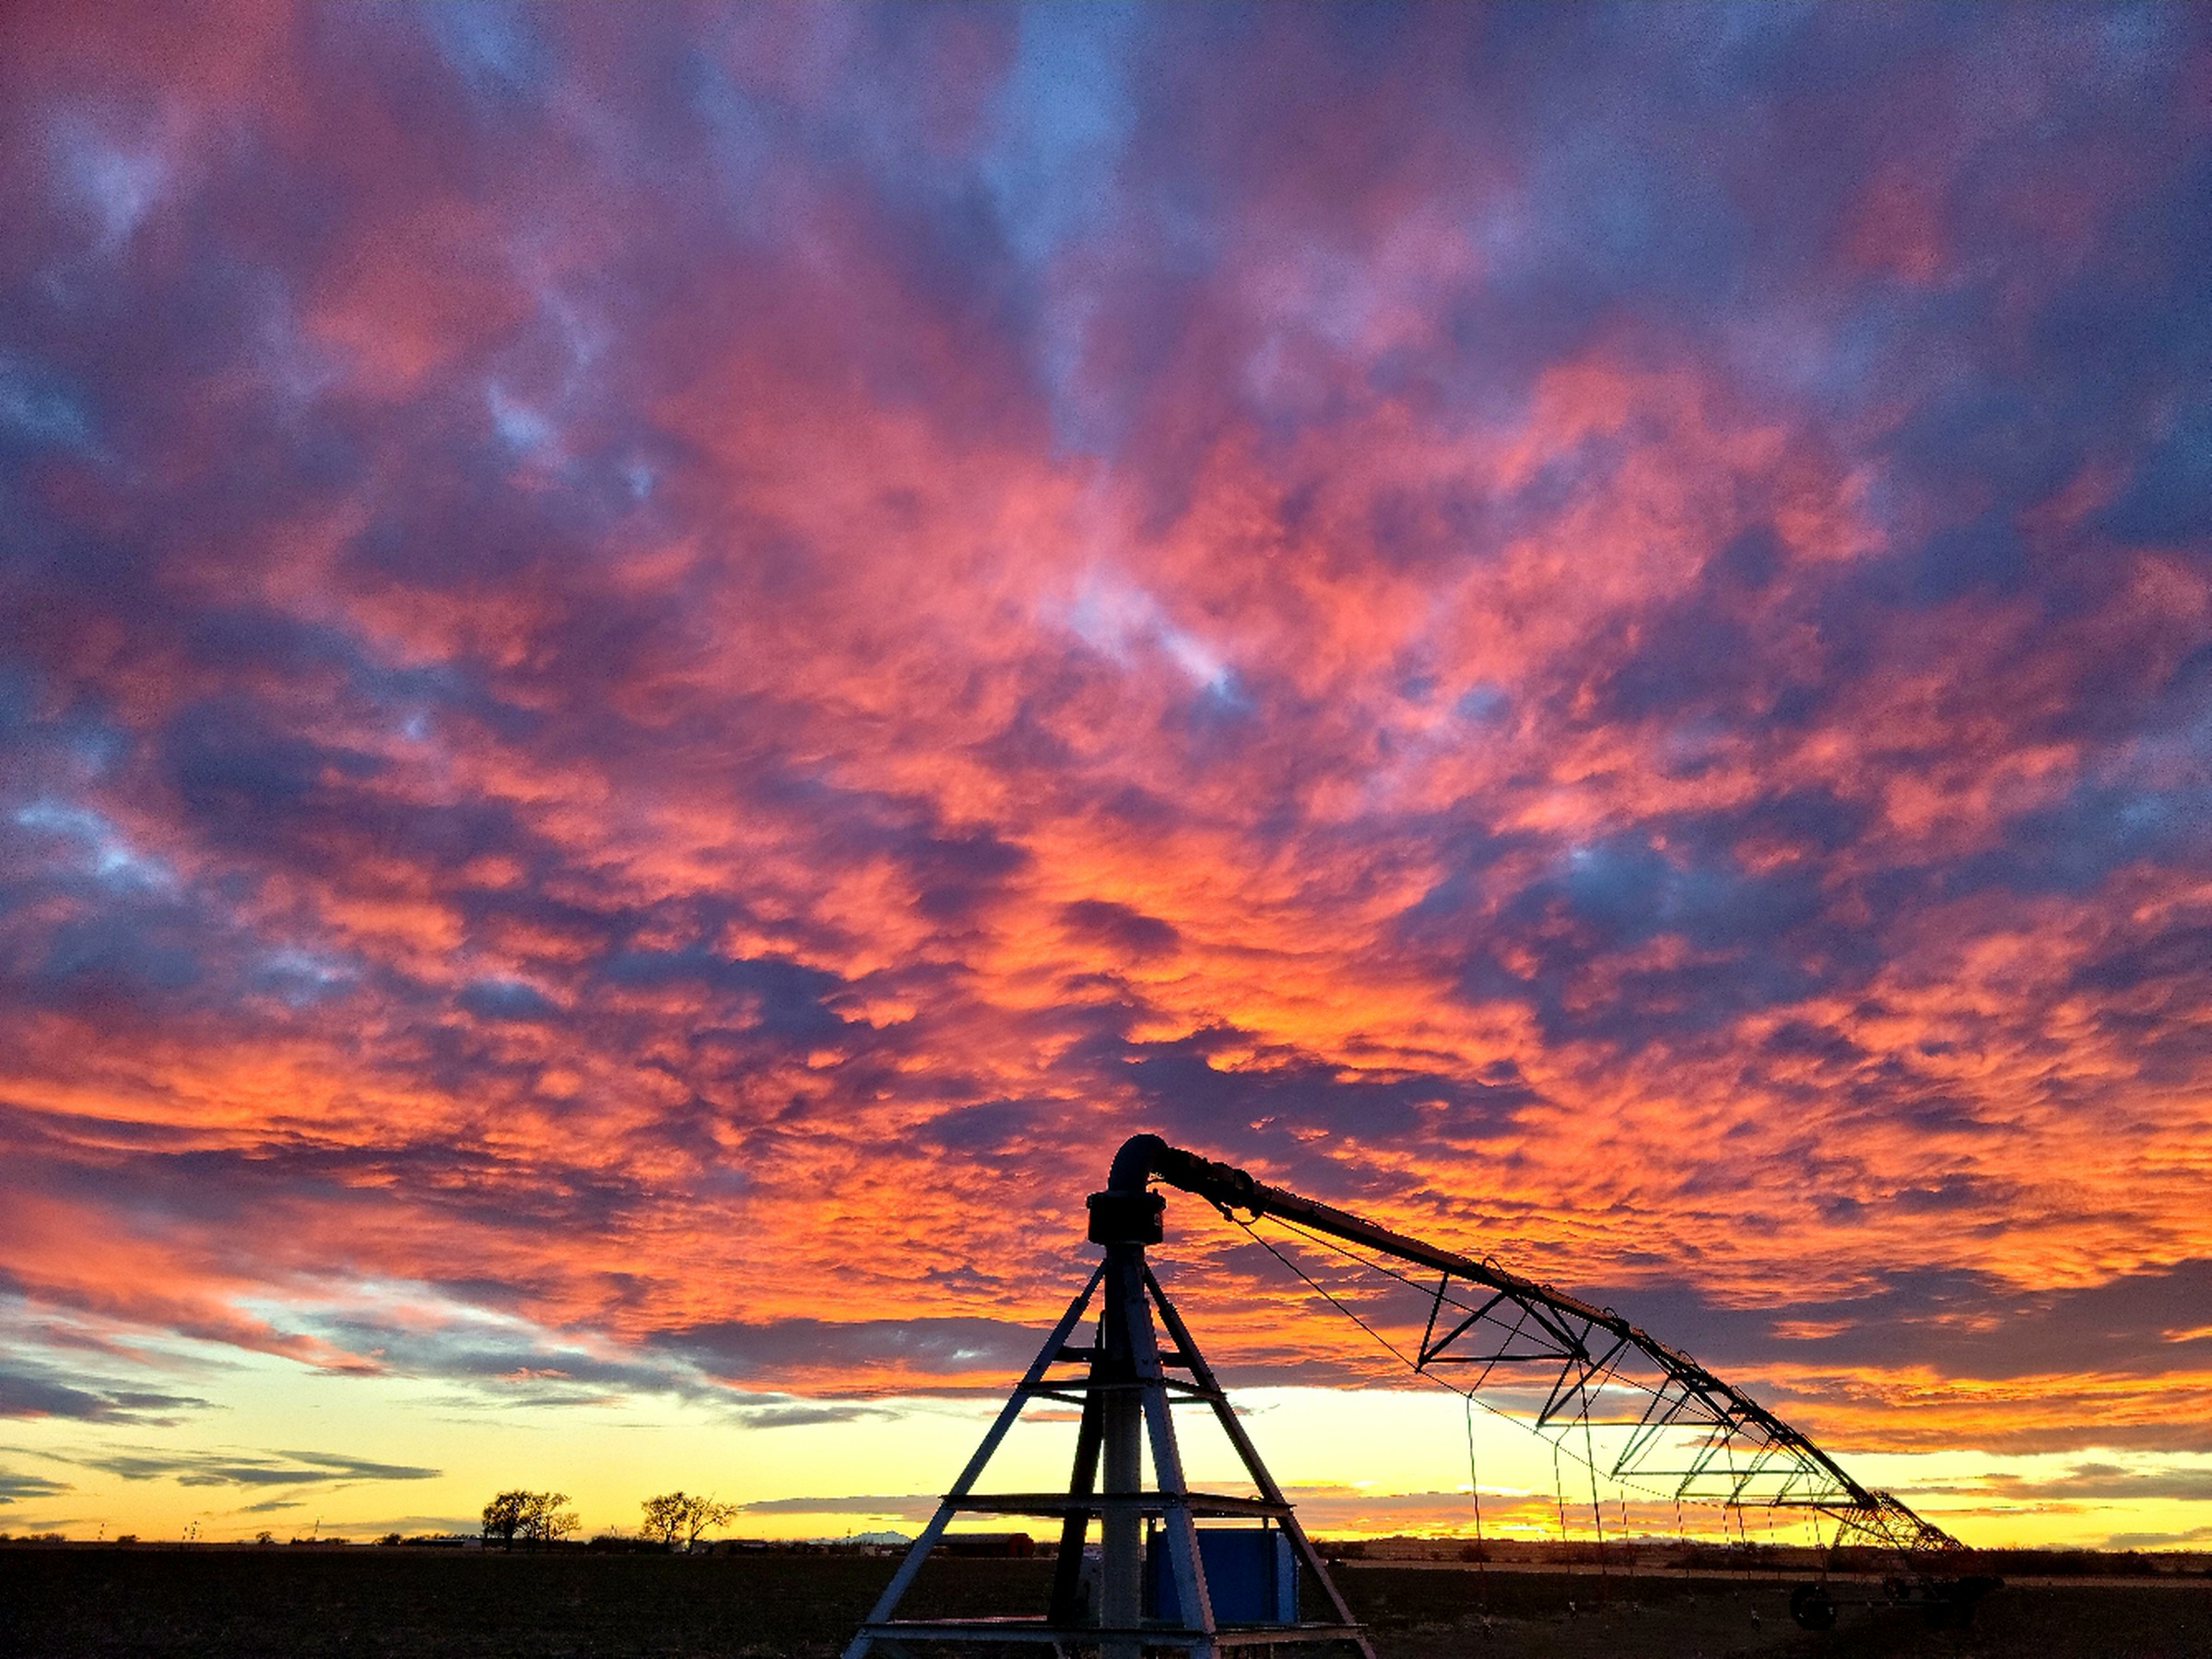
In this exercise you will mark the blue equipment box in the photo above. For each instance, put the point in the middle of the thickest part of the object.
(1250, 1575)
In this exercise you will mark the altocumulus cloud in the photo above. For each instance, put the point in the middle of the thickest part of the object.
(656, 674)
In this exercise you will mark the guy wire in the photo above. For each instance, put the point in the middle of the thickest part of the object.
(1482, 1553)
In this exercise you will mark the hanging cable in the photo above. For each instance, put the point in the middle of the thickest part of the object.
(1320, 1242)
(1598, 1519)
(1627, 1543)
(1469, 1394)
(1593, 1379)
(1559, 1490)
(1482, 1553)
(1321, 1290)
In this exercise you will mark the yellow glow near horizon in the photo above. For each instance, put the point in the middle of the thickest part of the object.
(1358, 1463)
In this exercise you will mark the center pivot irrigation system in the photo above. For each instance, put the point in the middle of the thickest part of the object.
(1614, 1398)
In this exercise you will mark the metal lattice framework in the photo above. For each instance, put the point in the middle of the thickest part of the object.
(1666, 1424)
(1126, 1382)
(1609, 1395)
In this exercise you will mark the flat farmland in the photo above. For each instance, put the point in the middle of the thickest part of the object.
(72, 1601)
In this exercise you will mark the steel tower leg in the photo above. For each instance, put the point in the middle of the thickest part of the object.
(1067, 1563)
(1249, 1454)
(1125, 1393)
(1178, 1530)
(1114, 1378)
(887, 1602)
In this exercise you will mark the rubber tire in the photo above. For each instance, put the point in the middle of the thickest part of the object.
(1812, 1609)
(1947, 1613)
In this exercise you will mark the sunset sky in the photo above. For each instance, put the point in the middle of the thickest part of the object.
(660, 668)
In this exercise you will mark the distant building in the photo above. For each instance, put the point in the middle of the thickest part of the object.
(1017, 1544)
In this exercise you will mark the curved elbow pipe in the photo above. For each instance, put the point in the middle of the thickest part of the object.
(1143, 1156)
(1133, 1164)
(1129, 1211)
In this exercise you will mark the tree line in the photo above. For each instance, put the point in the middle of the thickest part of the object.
(537, 1519)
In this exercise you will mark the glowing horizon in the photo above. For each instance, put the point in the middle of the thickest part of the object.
(661, 669)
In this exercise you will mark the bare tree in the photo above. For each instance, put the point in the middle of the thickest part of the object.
(665, 1517)
(536, 1518)
(699, 1513)
(503, 1517)
(544, 1521)
(685, 1513)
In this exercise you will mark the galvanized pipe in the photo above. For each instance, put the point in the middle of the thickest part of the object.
(1121, 1547)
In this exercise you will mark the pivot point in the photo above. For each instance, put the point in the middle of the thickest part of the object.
(1126, 1217)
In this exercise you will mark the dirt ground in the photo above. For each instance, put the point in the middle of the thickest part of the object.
(73, 1602)
(1418, 1614)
